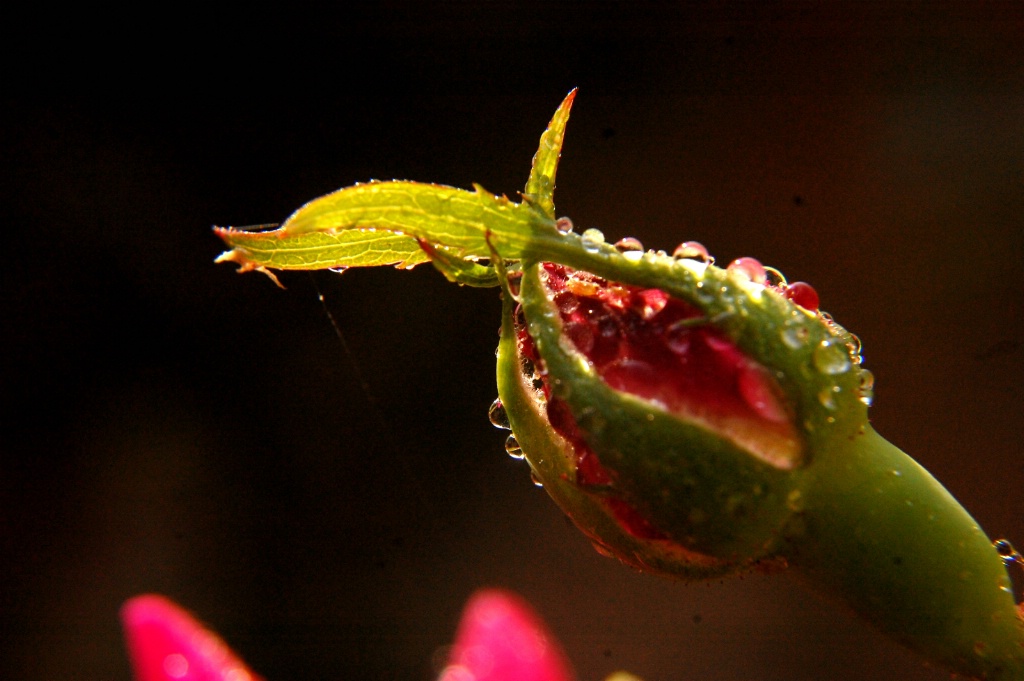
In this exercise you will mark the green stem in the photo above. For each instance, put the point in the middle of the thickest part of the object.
(884, 536)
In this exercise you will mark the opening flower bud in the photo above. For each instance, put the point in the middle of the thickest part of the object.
(670, 446)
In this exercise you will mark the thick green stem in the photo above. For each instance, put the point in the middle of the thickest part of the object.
(880, 533)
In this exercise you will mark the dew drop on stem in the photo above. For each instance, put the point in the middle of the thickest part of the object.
(497, 415)
(513, 448)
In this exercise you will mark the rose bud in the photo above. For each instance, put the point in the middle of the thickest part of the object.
(692, 420)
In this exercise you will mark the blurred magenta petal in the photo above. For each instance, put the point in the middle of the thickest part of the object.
(501, 639)
(166, 644)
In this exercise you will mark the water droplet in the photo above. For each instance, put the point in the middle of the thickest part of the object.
(796, 337)
(692, 250)
(750, 269)
(592, 240)
(602, 549)
(563, 225)
(630, 245)
(1007, 552)
(827, 398)
(831, 357)
(802, 294)
(775, 277)
(567, 303)
(853, 344)
(536, 481)
(866, 391)
(497, 415)
(513, 448)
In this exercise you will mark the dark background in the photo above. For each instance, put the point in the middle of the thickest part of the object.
(169, 426)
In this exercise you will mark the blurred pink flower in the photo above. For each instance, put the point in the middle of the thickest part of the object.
(165, 643)
(500, 638)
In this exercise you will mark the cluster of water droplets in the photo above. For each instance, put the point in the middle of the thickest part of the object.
(832, 357)
(499, 419)
(1010, 557)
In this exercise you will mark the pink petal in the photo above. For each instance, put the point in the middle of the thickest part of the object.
(166, 644)
(501, 639)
